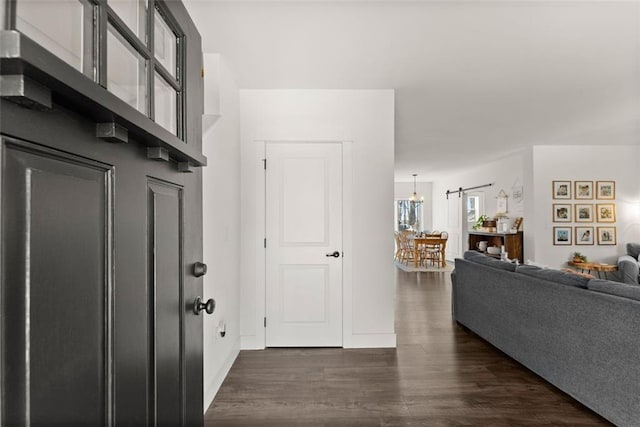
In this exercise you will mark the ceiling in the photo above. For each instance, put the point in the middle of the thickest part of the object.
(474, 80)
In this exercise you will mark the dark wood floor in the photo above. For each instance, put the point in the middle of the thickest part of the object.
(440, 375)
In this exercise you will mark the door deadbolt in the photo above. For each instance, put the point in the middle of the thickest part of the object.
(199, 269)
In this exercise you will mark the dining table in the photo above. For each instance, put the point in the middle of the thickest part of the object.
(429, 240)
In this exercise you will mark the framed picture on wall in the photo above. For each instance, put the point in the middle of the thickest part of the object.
(605, 190)
(562, 236)
(561, 212)
(561, 190)
(501, 202)
(607, 236)
(606, 212)
(584, 212)
(584, 190)
(584, 235)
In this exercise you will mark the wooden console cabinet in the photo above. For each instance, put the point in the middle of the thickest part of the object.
(513, 243)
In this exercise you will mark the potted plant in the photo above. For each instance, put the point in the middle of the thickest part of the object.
(578, 257)
(481, 219)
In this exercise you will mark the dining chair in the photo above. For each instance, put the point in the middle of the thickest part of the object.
(433, 253)
(406, 245)
(398, 254)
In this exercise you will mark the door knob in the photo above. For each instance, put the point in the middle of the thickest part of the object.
(199, 269)
(208, 306)
(335, 254)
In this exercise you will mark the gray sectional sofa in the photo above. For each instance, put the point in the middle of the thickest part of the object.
(582, 335)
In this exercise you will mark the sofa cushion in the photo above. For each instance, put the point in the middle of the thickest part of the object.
(615, 288)
(633, 249)
(551, 275)
(628, 269)
(479, 258)
(535, 264)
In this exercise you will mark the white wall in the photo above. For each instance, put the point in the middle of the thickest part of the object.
(588, 163)
(366, 118)
(404, 190)
(536, 168)
(221, 145)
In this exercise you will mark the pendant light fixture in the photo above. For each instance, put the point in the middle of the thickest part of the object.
(414, 197)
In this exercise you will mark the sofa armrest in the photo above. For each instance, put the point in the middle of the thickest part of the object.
(629, 269)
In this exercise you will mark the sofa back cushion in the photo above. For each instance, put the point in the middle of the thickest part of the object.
(479, 258)
(551, 275)
(615, 288)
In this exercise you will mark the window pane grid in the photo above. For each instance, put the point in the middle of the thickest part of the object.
(125, 32)
(168, 77)
(133, 14)
(166, 105)
(3, 9)
(65, 28)
(165, 44)
(126, 71)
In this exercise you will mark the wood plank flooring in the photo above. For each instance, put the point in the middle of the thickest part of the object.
(440, 375)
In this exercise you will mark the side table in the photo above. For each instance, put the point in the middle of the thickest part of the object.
(597, 267)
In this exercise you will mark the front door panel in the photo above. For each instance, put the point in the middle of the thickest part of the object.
(56, 301)
(113, 237)
(166, 299)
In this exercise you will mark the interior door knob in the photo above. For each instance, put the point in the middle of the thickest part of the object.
(335, 254)
(208, 306)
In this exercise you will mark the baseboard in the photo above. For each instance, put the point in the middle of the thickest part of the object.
(250, 342)
(371, 341)
(211, 389)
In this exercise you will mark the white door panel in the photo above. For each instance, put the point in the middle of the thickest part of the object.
(300, 285)
(304, 191)
(303, 225)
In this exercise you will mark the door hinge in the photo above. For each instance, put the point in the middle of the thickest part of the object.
(265, 243)
(265, 322)
(264, 162)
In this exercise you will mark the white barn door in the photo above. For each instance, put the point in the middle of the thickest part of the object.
(454, 227)
(304, 231)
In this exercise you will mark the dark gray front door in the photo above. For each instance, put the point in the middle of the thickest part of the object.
(98, 243)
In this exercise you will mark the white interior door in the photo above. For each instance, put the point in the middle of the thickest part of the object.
(454, 227)
(303, 227)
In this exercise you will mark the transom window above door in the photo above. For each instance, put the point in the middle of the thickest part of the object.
(133, 48)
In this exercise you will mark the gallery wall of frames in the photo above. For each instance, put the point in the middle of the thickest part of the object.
(584, 212)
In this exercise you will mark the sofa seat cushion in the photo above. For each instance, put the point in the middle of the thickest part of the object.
(615, 288)
(551, 275)
(479, 258)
